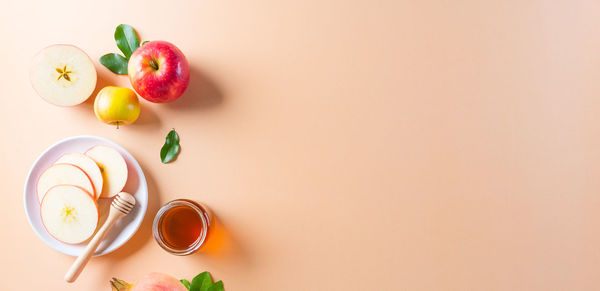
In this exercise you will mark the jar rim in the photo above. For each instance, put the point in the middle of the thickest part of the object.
(158, 220)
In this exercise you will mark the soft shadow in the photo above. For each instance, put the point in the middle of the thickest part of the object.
(222, 245)
(103, 209)
(103, 80)
(148, 118)
(202, 93)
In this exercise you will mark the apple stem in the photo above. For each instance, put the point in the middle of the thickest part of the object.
(117, 125)
(153, 64)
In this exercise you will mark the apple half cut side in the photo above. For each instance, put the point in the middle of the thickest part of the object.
(113, 168)
(60, 174)
(63, 75)
(88, 165)
(69, 213)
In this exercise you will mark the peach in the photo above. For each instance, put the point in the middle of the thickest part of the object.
(149, 282)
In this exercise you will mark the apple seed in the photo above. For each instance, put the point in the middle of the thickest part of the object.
(64, 73)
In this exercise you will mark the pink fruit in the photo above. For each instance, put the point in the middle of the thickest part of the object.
(158, 71)
(149, 282)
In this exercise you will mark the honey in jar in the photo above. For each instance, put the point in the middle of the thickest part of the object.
(181, 226)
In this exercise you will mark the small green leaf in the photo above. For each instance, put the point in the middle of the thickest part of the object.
(218, 286)
(126, 39)
(115, 63)
(201, 282)
(185, 283)
(169, 151)
(145, 41)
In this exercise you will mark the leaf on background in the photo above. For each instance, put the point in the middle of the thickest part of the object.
(218, 286)
(126, 39)
(168, 152)
(201, 282)
(185, 283)
(115, 63)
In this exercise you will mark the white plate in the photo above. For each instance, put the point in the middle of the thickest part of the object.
(123, 229)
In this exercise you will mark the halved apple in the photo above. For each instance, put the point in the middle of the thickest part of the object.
(61, 174)
(88, 165)
(113, 168)
(69, 213)
(63, 75)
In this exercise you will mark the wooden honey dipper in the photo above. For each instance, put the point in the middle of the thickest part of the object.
(121, 205)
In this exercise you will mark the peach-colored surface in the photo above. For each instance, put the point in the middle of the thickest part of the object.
(343, 145)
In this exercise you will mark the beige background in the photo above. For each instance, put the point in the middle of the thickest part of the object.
(343, 145)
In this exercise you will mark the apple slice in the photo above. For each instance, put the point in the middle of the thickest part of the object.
(69, 213)
(113, 168)
(60, 174)
(88, 165)
(63, 75)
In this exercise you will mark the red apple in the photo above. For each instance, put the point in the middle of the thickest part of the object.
(158, 71)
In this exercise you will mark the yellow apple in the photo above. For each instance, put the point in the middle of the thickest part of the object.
(117, 106)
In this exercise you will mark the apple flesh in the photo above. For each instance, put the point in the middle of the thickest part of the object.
(63, 174)
(88, 166)
(113, 168)
(63, 75)
(158, 71)
(69, 213)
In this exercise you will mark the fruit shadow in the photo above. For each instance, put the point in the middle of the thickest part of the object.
(148, 118)
(103, 80)
(202, 93)
(222, 245)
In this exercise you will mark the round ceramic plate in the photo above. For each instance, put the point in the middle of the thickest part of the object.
(123, 229)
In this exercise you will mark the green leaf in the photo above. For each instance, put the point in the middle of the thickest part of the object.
(201, 282)
(185, 283)
(115, 63)
(126, 39)
(169, 151)
(216, 286)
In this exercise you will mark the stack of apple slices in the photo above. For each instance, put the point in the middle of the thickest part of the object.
(68, 191)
